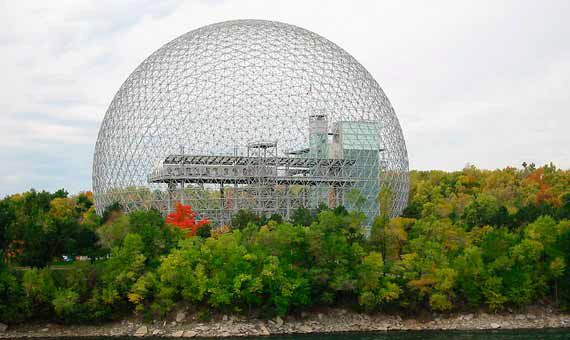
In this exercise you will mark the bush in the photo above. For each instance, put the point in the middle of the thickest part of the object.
(65, 303)
(14, 305)
(40, 287)
(243, 218)
(205, 231)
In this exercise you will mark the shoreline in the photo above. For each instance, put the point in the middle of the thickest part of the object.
(333, 321)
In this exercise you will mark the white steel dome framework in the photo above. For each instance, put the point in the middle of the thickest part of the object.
(249, 114)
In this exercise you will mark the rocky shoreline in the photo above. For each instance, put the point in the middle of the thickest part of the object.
(331, 321)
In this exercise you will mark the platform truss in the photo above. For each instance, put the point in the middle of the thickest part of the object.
(264, 185)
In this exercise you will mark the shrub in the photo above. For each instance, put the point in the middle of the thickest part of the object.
(65, 303)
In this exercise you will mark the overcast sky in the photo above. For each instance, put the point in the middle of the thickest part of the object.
(480, 82)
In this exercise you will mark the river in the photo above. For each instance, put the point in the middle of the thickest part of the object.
(442, 335)
(418, 335)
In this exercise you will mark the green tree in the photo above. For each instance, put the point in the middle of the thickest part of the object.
(427, 266)
(302, 216)
(111, 212)
(15, 306)
(563, 212)
(125, 267)
(562, 283)
(484, 210)
(243, 218)
(374, 285)
(7, 218)
(379, 234)
(158, 238)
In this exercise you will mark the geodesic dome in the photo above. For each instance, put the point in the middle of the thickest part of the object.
(249, 114)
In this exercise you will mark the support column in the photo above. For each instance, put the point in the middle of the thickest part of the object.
(236, 197)
(222, 203)
(171, 189)
(287, 202)
(332, 196)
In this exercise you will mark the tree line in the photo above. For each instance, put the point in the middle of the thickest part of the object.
(468, 239)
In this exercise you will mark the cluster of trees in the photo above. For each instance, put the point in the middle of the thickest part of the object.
(36, 227)
(468, 239)
(507, 198)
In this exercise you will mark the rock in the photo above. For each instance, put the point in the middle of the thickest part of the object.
(314, 322)
(180, 316)
(264, 330)
(141, 331)
(117, 332)
(173, 323)
(176, 334)
(190, 334)
(279, 321)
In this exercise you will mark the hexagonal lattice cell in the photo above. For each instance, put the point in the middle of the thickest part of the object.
(249, 114)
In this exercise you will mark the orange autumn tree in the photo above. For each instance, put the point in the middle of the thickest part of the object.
(185, 219)
(538, 177)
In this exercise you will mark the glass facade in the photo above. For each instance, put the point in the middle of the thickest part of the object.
(361, 141)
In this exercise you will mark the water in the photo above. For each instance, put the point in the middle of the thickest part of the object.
(442, 335)
(423, 335)
(439, 335)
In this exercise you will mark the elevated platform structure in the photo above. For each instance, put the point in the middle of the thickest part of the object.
(262, 184)
(243, 169)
